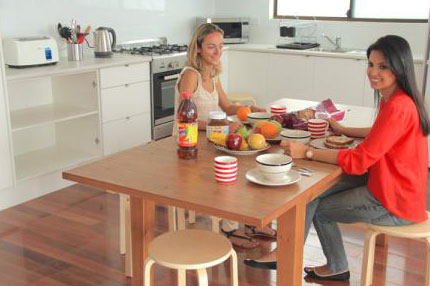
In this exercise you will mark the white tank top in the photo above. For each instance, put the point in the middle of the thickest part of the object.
(204, 100)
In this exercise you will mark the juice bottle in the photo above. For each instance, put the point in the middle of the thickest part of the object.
(187, 128)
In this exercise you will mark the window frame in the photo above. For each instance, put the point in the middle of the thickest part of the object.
(347, 18)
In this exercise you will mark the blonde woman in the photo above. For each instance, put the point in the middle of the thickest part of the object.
(201, 78)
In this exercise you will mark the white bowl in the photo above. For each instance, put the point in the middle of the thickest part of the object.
(273, 166)
(254, 117)
(296, 135)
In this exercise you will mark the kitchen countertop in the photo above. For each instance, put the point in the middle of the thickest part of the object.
(66, 67)
(358, 54)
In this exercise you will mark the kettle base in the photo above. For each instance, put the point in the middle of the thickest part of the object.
(103, 54)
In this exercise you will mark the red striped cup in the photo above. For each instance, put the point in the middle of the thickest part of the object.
(225, 168)
(278, 109)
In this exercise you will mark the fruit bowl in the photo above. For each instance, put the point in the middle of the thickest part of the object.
(241, 152)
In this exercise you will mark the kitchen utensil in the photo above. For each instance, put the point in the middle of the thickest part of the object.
(104, 41)
(75, 52)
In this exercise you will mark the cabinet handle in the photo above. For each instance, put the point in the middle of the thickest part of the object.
(126, 85)
(94, 83)
(97, 140)
(126, 65)
(127, 117)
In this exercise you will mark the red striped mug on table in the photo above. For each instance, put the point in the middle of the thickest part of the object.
(225, 168)
(318, 128)
(278, 109)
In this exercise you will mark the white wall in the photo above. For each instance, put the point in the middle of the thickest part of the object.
(354, 34)
(131, 19)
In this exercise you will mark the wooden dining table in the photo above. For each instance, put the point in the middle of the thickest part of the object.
(153, 174)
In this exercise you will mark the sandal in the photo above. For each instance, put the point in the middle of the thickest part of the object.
(342, 276)
(253, 231)
(239, 239)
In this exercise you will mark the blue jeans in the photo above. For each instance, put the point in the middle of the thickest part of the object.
(349, 201)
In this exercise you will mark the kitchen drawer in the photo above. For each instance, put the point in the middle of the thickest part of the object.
(125, 100)
(120, 75)
(126, 133)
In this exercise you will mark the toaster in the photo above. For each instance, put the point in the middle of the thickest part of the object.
(30, 51)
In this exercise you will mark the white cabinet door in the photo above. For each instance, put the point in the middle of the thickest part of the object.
(289, 76)
(126, 133)
(6, 173)
(339, 79)
(248, 74)
(126, 100)
(115, 76)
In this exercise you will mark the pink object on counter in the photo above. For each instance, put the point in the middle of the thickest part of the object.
(326, 109)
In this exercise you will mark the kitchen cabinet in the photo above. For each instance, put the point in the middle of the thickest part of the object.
(6, 175)
(247, 73)
(125, 106)
(54, 122)
(290, 77)
(340, 79)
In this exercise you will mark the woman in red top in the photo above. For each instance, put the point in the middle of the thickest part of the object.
(386, 175)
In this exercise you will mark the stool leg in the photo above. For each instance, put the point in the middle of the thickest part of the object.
(182, 277)
(428, 262)
(171, 218)
(147, 271)
(122, 224)
(368, 258)
(215, 223)
(127, 238)
(233, 269)
(181, 218)
(202, 276)
(191, 216)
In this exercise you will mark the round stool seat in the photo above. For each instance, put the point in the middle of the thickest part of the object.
(419, 230)
(190, 249)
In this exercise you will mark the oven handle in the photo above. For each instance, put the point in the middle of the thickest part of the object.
(173, 76)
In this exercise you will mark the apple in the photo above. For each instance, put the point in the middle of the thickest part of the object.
(243, 131)
(233, 141)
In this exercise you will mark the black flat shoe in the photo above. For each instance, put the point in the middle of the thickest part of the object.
(260, 264)
(344, 276)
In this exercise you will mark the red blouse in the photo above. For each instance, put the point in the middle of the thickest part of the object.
(395, 153)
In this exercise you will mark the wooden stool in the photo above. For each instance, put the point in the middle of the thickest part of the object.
(191, 249)
(241, 98)
(416, 231)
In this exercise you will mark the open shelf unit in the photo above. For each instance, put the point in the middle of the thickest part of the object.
(55, 122)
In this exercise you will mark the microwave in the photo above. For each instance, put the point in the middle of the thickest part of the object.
(236, 30)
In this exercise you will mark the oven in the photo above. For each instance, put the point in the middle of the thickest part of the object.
(165, 72)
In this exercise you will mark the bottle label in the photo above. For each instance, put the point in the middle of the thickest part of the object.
(187, 134)
(210, 130)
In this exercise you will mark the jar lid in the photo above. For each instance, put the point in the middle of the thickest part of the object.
(217, 115)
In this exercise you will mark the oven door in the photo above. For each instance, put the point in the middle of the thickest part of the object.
(163, 100)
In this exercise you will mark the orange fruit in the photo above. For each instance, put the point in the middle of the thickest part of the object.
(269, 130)
(242, 113)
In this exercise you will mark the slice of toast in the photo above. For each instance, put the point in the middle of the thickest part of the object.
(338, 142)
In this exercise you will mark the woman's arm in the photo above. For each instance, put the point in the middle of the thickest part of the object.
(226, 105)
(298, 151)
(348, 131)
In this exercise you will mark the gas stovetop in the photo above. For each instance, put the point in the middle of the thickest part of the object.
(150, 47)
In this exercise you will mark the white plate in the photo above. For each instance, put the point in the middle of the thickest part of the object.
(255, 176)
(319, 143)
(238, 152)
(233, 118)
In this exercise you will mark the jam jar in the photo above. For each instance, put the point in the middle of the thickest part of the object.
(217, 124)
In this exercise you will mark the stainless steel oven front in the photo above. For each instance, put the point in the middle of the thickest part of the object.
(165, 72)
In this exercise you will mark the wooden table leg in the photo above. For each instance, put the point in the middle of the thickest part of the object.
(142, 227)
(289, 252)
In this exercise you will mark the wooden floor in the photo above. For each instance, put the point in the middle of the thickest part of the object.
(70, 237)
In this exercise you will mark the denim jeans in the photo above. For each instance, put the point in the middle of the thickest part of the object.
(349, 201)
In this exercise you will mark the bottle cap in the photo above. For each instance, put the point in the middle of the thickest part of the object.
(217, 115)
(187, 95)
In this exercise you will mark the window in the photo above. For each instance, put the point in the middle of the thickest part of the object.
(366, 10)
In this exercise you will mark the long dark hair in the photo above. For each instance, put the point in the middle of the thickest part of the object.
(398, 55)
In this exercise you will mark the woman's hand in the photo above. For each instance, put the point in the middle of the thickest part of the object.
(233, 127)
(294, 149)
(336, 126)
(257, 109)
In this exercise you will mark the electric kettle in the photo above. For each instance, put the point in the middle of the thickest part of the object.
(104, 41)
